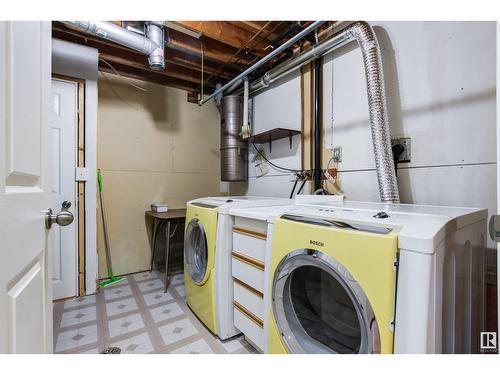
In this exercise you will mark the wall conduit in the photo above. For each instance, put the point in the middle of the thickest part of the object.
(318, 88)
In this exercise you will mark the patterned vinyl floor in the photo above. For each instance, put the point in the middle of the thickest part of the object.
(137, 317)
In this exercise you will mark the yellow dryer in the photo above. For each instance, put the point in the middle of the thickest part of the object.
(332, 287)
(199, 261)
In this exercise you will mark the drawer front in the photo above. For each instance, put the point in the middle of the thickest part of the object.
(252, 330)
(249, 242)
(255, 224)
(250, 272)
(249, 298)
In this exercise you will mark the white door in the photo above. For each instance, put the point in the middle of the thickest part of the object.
(25, 279)
(63, 123)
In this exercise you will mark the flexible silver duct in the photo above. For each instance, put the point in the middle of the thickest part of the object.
(381, 137)
(152, 45)
(363, 33)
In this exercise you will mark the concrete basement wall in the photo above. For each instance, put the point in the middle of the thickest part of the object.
(152, 146)
(441, 91)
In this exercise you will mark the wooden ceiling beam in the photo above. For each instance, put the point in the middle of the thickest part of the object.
(171, 70)
(216, 52)
(224, 51)
(190, 61)
(143, 75)
(194, 62)
(229, 34)
(212, 49)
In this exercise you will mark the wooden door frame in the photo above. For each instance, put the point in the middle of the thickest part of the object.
(80, 185)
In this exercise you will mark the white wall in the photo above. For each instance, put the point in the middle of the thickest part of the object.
(277, 107)
(441, 91)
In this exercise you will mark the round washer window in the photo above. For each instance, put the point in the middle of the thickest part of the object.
(195, 250)
(319, 308)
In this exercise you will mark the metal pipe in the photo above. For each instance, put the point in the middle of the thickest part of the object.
(107, 30)
(265, 59)
(317, 123)
(233, 150)
(157, 57)
(364, 35)
(312, 53)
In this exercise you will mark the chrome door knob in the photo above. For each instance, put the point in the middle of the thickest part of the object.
(63, 218)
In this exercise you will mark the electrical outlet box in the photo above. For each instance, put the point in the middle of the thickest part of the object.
(405, 157)
(337, 154)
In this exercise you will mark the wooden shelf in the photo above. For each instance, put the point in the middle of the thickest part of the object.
(273, 135)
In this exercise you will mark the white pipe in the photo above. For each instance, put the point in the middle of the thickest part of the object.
(245, 131)
(153, 47)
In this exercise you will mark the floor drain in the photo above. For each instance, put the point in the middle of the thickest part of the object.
(112, 350)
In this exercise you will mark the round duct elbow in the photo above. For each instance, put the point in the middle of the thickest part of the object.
(156, 58)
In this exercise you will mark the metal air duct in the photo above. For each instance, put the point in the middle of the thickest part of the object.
(152, 45)
(233, 150)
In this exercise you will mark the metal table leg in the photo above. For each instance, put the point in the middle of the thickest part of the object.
(167, 251)
(153, 243)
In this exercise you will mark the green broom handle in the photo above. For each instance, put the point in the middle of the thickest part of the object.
(105, 226)
(99, 179)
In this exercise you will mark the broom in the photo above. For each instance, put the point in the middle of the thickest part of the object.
(111, 280)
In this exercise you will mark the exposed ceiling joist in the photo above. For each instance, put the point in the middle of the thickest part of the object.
(171, 70)
(229, 34)
(222, 49)
(211, 48)
(148, 76)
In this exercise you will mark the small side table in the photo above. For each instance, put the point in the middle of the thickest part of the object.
(169, 216)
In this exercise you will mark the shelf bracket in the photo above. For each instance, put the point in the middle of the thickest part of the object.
(290, 138)
(270, 143)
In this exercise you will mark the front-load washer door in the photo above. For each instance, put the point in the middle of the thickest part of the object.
(333, 286)
(320, 308)
(196, 251)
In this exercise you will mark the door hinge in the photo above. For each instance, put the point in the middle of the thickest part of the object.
(81, 174)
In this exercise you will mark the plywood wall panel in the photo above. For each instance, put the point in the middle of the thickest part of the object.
(153, 146)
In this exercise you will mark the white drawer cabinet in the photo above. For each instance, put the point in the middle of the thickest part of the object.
(248, 267)
(250, 271)
(252, 246)
(250, 327)
(250, 298)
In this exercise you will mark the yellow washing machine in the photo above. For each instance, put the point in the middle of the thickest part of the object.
(207, 271)
(199, 262)
(332, 287)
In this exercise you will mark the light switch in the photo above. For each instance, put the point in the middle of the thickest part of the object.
(81, 174)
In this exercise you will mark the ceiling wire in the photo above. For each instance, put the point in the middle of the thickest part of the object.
(118, 74)
(202, 61)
